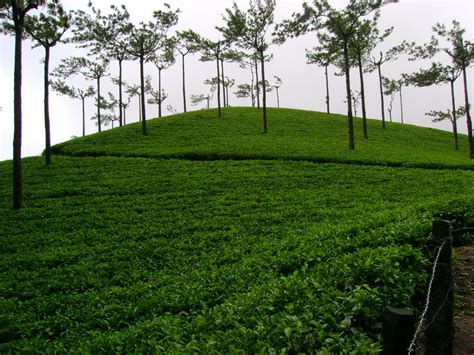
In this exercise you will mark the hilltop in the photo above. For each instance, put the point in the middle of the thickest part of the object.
(293, 135)
(208, 236)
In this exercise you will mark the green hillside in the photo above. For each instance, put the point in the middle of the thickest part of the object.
(115, 252)
(293, 134)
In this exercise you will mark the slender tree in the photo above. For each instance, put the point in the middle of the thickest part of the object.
(340, 26)
(15, 12)
(212, 50)
(76, 93)
(105, 36)
(391, 88)
(439, 116)
(435, 75)
(249, 30)
(323, 56)
(461, 53)
(244, 91)
(135, 90)
(162, 61)
(375, 63)
(277, 86)
(144, 40)
(46, 30)
(187, 42)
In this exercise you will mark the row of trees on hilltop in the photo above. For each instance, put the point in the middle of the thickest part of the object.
(346, 38)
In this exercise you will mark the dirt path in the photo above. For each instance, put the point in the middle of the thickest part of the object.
(464, 291)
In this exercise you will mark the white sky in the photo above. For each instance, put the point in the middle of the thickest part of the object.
(303, 85)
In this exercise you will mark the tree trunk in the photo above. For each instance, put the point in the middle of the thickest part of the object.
(83, 99)
(264, 92)
(47, 152)
(120, 94)
(98, 105)
(401, 105)
(142, 84)
(468, 114)
(257, 85)
(350, 120)
(252, 92)
(223, 84)
(454, 120)
(139, 107)
(184, 83)
(159, 93)
(124, 115)
(218, 89)
(17, 170)
(362, 95)
(278, 98)
(381, 94)
(327, 88)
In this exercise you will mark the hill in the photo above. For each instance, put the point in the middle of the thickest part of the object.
(293, 135)
(117, 252)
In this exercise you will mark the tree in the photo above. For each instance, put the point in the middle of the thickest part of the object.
(162, 61)
(90, 70)
(135, 90)
(376, 63)
(244, 91)
(437, 74)
(341, 27)
(186, 42)
(249, 30)
(144, 40)
(15, 11)
(461, 53)
(439, 116)
(365, 39)
(230, 56)
(105, 37)
(46, 30)
(322, 56)
(391, 88)
(277, 86)
(62, 88)
(212, 50)
(197, 99)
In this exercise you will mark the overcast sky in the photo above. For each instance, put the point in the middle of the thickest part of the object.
(303, 85)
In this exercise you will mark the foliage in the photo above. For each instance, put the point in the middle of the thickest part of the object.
(143, 255)
(439, 116)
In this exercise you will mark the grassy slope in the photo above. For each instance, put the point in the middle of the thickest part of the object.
(114, 254)
(293, 134)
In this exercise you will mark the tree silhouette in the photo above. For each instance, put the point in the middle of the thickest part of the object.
(15, 12)
(105, 36)
(162, 61)
(62, 88)
(46, 30)
(186, 42)
(340, 28)
(249, 30)
(452, 116)
(143, 40)
(277, 86)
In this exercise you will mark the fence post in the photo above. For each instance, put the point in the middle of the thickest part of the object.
(439, 317)
(398, 330)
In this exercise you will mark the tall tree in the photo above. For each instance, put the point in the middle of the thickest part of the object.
(437, 74)
(461, 53)
(323, 56)
(187, 42)
(144, 40)
(375, 63)
(249, 30)
(90, 70)
(162, 61)
(341, 27)
(135, 90)
(16, 11)
(46, 30)
(105, 36)
(391, 88)
(212, 50)
(76, 93)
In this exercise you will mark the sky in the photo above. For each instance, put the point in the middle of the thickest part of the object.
(303, 85)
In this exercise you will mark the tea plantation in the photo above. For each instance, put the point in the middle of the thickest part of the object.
(207, 236)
